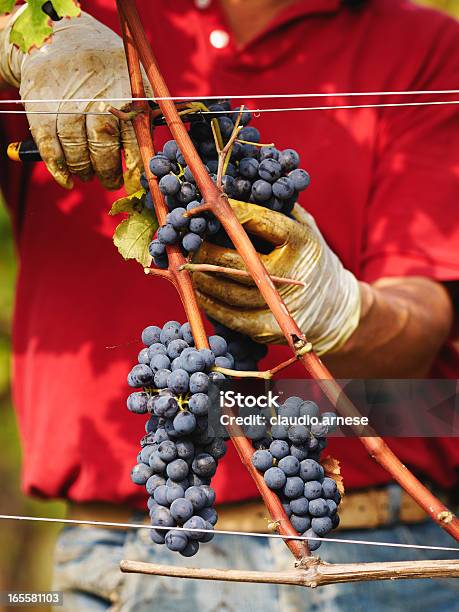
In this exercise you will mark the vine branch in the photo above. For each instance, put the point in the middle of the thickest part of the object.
(281, 280)
(312, 576)
(140, 116)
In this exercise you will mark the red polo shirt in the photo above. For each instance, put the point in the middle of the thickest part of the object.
(384, 192)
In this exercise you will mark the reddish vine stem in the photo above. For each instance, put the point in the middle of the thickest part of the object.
(245, 450)
(375, 446)
(177, 274)
(281, 280)
(181, 277)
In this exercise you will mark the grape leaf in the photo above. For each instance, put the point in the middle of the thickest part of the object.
(66, 8)
(33, 27)
(133, 235)
(129, 204)
(333, 470)
(6, 6)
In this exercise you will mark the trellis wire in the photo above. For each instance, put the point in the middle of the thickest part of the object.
(256, 111)
(252, 96)
(23, 112)
(220, 532)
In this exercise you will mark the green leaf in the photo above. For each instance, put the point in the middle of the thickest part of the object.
(129, 204)
(33, 27)
(6, 6)
(133, 236)
(67, 8)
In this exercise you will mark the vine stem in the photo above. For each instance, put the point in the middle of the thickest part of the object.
(224, 152)
(263, 374)
(281, 280)
(314, 575)
(179, 276)
(221, 208)
(140, 117)
(273, 504)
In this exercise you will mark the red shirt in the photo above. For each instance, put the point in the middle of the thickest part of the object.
(384, 192)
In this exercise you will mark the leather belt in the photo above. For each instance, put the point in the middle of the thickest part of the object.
(366, 509)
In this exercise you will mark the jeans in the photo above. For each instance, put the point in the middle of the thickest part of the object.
(87, 570)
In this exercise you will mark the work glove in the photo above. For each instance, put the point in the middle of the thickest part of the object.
(326, 308)
(83, 59)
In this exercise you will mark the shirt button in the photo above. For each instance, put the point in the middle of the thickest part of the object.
(219, 39)
(202, 4)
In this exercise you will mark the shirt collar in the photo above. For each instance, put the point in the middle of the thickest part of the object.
(310, 7)
(297, 10)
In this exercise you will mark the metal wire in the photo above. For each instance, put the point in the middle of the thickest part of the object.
(23, 112)
(217, 531)
(247, 96)
(256, 110)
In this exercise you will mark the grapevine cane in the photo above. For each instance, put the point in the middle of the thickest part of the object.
(317, 574)
(141, 122)
(219, 205)
(181, 279)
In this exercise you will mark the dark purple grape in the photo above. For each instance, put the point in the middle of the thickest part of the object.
(169, 184)
(300, 178)
(289, 160)
(191, 242)
(248, 168)
(269, 170)
(151, 335)
(261, 191)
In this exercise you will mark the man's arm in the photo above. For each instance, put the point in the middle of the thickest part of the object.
(403, 323)
(391, 328)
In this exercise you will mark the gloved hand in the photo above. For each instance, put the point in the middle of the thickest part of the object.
(327, 308)
(84, 59)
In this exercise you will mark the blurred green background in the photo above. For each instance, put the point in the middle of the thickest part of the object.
(26, 548)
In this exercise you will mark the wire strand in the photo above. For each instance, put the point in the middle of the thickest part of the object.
(256, 110)
(247, 96)
(220, 532)
(23, 112)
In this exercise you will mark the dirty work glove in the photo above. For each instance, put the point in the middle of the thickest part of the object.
(84, 59)
(326, 309)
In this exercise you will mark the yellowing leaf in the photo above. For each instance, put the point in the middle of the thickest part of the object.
(33, 27)
(333, 470)
(6, 6)
(132, 180)
(129, 204)
(67, 8)
(133, 236)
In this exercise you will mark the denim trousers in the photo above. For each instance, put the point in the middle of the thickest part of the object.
(87, 571)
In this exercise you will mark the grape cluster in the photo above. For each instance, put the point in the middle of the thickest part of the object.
(290, 462)
(189, 232)
(261, 174)
(179, 453)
